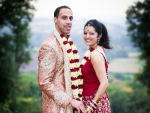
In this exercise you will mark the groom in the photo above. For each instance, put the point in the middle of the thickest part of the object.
(58, 66)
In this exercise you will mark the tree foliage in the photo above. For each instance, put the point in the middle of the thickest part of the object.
(138, 19)
(128, 98)
(30, 97)
(14, 48)
(138, 99)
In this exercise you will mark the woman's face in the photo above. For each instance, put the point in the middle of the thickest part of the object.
(90, 36)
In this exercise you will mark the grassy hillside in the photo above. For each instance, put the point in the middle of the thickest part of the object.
(131, 64)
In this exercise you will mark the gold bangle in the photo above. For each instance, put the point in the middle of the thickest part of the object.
(90, 108)
(94, 102)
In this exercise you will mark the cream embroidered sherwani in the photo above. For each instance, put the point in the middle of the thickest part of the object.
(54, 75)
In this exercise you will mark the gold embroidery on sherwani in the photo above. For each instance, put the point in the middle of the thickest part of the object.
(66, 65)
(60, 98)
(67, 75)
(53, 77)
(59, 56)
(46, 63)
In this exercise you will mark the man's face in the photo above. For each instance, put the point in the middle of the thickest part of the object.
(64, 21)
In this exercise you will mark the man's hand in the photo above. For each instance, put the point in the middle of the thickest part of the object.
(87, 111)
(78, 105)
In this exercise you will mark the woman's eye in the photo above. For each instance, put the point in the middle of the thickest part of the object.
(91, 33)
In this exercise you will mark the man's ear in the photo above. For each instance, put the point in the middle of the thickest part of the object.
(55, 19)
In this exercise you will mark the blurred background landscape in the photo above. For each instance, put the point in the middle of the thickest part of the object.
(19, 43)
(123, 58)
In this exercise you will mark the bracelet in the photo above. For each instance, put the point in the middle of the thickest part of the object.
(92, 106)
(94, 103)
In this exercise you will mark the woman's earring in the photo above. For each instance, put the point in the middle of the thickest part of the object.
(98, 41)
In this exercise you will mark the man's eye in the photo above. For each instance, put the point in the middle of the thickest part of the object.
(71, 18)
(64, 17)
(84, 33)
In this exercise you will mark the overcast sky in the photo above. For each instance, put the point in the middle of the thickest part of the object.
(112, 11)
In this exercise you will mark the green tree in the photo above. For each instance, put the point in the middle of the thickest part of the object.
(118, 99)
(138, 19)
(30, 97)
(14, 48)
(139, 100)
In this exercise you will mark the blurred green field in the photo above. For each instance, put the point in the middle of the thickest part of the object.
(126, 65)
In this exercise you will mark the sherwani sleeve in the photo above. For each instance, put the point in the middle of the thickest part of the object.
(46, 73)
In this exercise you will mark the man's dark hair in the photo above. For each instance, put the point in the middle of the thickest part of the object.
(56, 12)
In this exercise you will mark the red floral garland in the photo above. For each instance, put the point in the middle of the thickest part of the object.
(76, 78)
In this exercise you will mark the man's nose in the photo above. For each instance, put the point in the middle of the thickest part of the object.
(69, 21)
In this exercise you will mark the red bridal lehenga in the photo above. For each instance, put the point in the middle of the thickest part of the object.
(90, 86)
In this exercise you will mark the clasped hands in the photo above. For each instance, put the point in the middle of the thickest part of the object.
(87, 110)
(90, 108)
(79, 106)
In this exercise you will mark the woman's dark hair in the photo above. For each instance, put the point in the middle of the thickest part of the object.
(100, 28)
(56, 12)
